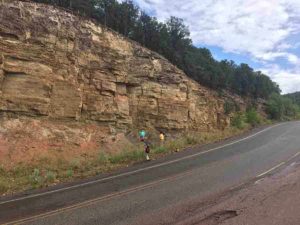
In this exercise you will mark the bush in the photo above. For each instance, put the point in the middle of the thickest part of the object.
(75, 164)
(191, 140)
(252, 117)
(69, 173)
(238, 121)
(281, 108)
(102, 158)
(50, 176)
(159, 150)
(36, 179)
(4, 187)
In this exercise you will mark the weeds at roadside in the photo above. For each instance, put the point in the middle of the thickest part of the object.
(160, 150)
(126, 156)
(36, 179)
(75, 163)
(69, 173)
(102, 158)
(4, 186)
(42, 174)
(50, 177)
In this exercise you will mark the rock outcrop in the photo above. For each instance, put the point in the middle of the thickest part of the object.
(61, 71)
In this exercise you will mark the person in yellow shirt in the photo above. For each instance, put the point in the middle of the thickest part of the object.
(161, 137)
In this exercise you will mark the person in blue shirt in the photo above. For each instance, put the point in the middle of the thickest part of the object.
(142, 135)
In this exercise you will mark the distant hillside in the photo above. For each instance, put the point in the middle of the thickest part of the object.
(295, 97)
(172, 40)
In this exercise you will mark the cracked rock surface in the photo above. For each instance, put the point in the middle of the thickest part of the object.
(66, 81)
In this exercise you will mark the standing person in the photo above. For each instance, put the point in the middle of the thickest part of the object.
(161, 137)
(142, 135)
(147, 150)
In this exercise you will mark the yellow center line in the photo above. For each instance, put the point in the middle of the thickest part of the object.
(96, 200)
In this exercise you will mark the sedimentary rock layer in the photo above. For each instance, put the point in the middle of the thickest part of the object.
(55, 66)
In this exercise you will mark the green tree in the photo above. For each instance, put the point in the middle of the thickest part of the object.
(128, 16)
(281, 108)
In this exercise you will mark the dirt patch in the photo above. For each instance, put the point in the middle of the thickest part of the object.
(31, 140)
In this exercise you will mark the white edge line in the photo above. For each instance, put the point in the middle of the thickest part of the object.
(136, 171)
(296, 154)
(280, 164)
(270, 170)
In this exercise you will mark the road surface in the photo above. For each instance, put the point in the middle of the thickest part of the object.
(145, 189)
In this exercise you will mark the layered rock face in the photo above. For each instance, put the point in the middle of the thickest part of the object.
(61, 70)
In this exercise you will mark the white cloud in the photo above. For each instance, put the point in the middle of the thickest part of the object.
(289, 79)
(252, 26)
(269, 56)
(293, 58)
(259, 29)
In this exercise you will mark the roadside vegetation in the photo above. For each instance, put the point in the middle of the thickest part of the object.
(248, 119)
(172, 40)
(295, 97)
(282, 108)
(47, 172)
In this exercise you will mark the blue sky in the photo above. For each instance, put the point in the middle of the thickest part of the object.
(263, 33)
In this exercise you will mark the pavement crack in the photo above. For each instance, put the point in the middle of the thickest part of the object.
(217, 217)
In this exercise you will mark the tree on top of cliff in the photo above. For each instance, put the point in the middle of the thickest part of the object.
(295, 97)
(172, 40)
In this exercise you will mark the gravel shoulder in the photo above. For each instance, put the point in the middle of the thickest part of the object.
(274, 200)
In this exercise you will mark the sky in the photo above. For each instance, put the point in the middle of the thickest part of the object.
(263, 33)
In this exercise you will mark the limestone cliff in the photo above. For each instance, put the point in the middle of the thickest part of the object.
(63, 78)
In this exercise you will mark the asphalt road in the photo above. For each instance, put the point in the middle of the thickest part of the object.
(127, 196)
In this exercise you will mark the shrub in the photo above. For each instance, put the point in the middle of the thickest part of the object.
(191, 140)
(160, 150)
(102, 158)
(4, 187)
(75, 164)
(238, 121)
(281, 108)
(252, 117)
(50, 176)
(36, 179)
(69, 173)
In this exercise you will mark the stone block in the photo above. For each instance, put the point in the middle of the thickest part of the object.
(66, 100)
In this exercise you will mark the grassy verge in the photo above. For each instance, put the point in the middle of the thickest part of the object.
(48, 172)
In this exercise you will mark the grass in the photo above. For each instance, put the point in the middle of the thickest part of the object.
(126, 156)
(47, 172)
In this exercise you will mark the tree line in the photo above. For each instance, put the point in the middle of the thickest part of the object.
(283, 107)
(295, 97)
(172, 40)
